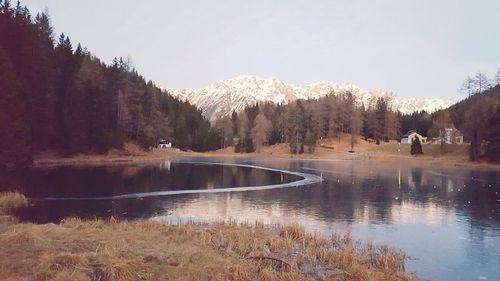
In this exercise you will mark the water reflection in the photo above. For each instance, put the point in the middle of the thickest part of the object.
(447, 219)
(165, 165)
(92, 182)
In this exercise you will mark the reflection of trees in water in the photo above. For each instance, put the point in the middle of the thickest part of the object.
(352, 191)
(480, 199)
(107, 181)
(360, 192)
(474, 192)
(136, 208)
(416, 176)
(345, 197)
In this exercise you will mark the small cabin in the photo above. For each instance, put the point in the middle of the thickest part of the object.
(411, 135)
(164, 144)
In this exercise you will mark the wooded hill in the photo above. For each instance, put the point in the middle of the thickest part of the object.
(478, 117)
(57, 96)
(303, 122)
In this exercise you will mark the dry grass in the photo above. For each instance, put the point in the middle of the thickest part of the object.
(340, 148)
(430, 150)
(111, 250)
(11, 200)
(128, 149)
(18, 236)
(294, 232)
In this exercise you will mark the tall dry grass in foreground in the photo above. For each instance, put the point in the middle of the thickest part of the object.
(11, 200)
(109, 250)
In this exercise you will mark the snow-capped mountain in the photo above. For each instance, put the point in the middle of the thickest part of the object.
(223, 97)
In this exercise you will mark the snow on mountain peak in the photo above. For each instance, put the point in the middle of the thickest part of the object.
(223, 97)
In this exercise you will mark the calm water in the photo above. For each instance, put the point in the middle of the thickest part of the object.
(446, 219)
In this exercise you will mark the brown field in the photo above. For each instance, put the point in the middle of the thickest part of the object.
(146, 250)
(340, 148)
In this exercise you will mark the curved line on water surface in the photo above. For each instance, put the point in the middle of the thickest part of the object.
(436, 173)
(306, 179)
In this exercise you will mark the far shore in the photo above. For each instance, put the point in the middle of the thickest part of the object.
(454, 156)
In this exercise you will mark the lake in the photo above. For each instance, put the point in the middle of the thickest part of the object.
(446, 219)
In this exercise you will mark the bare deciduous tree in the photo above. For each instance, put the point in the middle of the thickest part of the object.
(224, 128)
(496, 81)
(260, 131)
(481, 82)
(467, 87)
(355, 125)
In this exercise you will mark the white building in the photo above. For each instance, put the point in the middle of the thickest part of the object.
(453, 136)
(449, 135)
(411, 135)
(164, 144)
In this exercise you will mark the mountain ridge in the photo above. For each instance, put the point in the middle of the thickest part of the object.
(223, 97)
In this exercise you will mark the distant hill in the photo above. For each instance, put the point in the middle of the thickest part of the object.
(223, 97)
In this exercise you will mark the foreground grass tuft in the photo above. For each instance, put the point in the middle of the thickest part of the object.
(11, 200)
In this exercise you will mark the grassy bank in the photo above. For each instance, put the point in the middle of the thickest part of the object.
(326, 149)
(148, 250)
(130, 153)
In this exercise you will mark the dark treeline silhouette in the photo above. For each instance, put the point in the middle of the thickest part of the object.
(420, 121)
(55, 96)
(303, 122)
(478, 117)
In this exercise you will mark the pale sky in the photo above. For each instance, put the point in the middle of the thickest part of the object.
(415, 48)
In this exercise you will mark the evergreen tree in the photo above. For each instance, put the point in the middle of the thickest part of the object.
(57, 97)
(381, 110)
(297, 128)
(14, 128)
(234, 123)
(277, 134)
(416, 147)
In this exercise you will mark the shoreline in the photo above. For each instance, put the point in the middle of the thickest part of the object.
(99, 160)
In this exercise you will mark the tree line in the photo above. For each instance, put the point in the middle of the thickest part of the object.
(303, 122)
(57, 96)
(478, 117)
